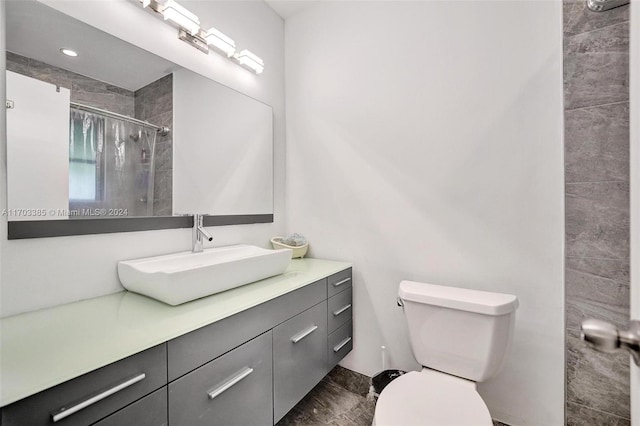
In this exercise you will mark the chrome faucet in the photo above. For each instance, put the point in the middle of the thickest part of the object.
(198, 232)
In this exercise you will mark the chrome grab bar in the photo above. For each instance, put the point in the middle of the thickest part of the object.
(339, 283)
(230, 382)
(341, 310)
(303, 334)
(66, 412)
(341, 344)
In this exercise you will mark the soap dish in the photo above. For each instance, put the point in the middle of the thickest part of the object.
(296, 251)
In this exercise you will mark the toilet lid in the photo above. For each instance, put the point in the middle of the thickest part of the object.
(431, 398)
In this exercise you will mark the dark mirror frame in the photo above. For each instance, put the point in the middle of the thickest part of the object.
(88, 226)
(58, 228)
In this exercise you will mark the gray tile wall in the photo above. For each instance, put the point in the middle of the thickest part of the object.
(596, 84)
(154, 103)
(84, 90)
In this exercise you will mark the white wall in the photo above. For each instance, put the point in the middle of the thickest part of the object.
(49, 271)
(231, 171)
(424, 142)
(39, 173)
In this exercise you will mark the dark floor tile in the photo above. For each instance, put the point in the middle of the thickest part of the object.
(597, 380)
(350, 380)
(330, 404)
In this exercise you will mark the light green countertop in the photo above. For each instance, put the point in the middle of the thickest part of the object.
(44, 348)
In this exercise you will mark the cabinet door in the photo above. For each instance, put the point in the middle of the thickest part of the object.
(93, 396)
(299, 357)
(340, 343)
(148, 411)
(339, 281)
(340, 310)
(234, 389)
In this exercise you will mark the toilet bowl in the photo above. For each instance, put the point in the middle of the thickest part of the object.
(431, 398)
(461, 337)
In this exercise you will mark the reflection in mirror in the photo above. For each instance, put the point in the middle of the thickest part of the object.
(87, 134)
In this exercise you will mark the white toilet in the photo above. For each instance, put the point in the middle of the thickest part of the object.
(460, 337)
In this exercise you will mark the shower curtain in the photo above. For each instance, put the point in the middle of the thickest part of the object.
(111, 167)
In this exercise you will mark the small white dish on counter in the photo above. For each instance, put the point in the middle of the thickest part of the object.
(181, 277)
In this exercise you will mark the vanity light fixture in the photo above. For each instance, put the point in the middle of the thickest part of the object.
(221, 42)
(69, 52)
(250, 61)
(179, 15)
(189, 31)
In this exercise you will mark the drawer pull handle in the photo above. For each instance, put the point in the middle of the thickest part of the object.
(66, 412)
(342, 344)
(339, 283)
(341, 310)
(230, 382)
(303, 334)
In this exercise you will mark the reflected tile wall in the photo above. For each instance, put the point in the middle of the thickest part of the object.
(154, 103)
(84, 90)
(596, 85)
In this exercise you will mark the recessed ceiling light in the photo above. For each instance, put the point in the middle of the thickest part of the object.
(69, 52)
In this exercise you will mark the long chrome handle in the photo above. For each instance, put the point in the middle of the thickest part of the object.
(303, 334)
(341, 310)
(66, 412)
(341, 344)
(339, 283)
(606, 337)
(230, 382)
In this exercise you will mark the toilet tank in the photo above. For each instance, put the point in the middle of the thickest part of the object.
(462, 332)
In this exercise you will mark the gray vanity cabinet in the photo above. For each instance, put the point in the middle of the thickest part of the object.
(234, 389)
(247, 369)
(340, 315)
(95, 395)
(299, 357)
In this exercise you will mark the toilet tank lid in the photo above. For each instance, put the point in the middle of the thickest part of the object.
(482, 302)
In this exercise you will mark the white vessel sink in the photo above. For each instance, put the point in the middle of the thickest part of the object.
(180, 277)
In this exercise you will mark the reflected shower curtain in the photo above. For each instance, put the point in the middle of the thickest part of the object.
(111, 167)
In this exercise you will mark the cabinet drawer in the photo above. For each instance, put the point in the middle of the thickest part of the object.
(299, 357)
(339, 282)
(234, 389)
(340, 344)
(148, 411)
(340, 310)
(94, 395)
(194, 349)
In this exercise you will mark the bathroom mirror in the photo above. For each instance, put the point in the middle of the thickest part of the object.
(103, 136)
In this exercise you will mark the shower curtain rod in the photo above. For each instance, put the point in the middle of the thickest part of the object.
(163, 130)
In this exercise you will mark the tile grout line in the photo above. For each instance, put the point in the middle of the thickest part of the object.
(599, 411)
(567, 35)
(626, 259)
(596, 181)
(625, 101)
